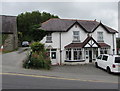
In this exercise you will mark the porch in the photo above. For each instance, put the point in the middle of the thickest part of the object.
(85, 52)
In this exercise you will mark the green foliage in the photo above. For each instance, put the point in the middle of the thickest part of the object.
(29, 21)
(37, 47)
(3, 37)
(36, 33)
(38, 57)
(118, 42)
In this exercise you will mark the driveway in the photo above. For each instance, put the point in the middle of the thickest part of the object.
(12, 63)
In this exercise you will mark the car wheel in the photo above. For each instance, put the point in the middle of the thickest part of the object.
(96, 65)
(108, 70)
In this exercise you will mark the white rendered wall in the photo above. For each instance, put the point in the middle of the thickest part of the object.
(108, 38)
(67, 38)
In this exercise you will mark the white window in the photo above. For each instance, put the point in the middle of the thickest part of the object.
(100, 36)
(104, 50)
(51, 53)
(76, 36)
(77, 54)
(68, 54)
(49, 38)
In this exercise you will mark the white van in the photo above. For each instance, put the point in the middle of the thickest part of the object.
(111, 63)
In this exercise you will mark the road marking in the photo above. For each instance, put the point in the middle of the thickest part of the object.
(40, 76)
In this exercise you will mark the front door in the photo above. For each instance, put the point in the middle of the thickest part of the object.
(90, 55)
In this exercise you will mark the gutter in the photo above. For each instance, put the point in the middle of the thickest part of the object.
(113, 45)
(60, 50)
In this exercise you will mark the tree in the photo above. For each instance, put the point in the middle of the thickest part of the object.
(36, 33)
(118, 42)
(28, 23)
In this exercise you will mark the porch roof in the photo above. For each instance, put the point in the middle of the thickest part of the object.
(80, 45)
(72, 45)
(103, 45)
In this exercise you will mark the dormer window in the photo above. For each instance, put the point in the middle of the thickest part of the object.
(76, 37)
(49, 38)
(100, 37)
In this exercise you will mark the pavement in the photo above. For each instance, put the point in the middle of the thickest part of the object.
(12, 63)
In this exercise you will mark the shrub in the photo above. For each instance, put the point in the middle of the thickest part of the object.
(38, 58)
(37, 47)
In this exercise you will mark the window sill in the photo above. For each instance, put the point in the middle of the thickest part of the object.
(82, 60)
(48, 42)
(74, 41)
(100, 41)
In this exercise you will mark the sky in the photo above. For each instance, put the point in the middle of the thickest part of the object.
(106, 12)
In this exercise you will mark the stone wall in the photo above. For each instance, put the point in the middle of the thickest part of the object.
(10, 43)
(9, 28)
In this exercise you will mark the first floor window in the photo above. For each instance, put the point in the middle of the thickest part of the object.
(76, 36)
(100, 36)
(49, 38)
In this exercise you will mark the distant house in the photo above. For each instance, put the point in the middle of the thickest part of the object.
(8, 32)
(77, 41)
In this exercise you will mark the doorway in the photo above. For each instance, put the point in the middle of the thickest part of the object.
(90, 56)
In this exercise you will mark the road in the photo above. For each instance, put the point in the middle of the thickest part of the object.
(31, 82)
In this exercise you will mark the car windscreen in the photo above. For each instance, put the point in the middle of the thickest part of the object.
(105, 58)
(117, 59)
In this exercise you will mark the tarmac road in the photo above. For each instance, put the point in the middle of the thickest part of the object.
(31, 82)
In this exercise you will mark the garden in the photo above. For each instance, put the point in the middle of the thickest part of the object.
(37, 58)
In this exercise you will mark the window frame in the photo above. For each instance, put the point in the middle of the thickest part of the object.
(68, 54)
(77, 35)
(100, 36)
(49, 38)
(78, 55)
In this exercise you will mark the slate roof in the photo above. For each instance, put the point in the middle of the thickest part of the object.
(72, 45)
(103, 45)
(8, 24)
(81, 45)
(63, 25)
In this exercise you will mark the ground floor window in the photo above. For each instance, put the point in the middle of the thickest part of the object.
(104, 50)
(73, 54)
(77, 54)
(68, 54)
(52, 53)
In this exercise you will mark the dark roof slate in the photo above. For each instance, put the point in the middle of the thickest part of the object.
(72, 45)
(8, 24)
(62, 25)
(103, 45)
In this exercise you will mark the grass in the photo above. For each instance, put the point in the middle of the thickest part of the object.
(3, 52)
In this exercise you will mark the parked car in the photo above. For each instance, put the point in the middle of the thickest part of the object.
(111, 63)
(25, 43)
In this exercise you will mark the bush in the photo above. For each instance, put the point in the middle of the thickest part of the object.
(38, 58)
(37, 47)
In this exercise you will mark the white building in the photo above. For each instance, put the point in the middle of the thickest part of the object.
(77, 41)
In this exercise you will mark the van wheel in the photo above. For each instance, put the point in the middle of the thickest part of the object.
(108, 70)
(96, 65)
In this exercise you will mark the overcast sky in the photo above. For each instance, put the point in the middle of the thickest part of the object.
(107, 12)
